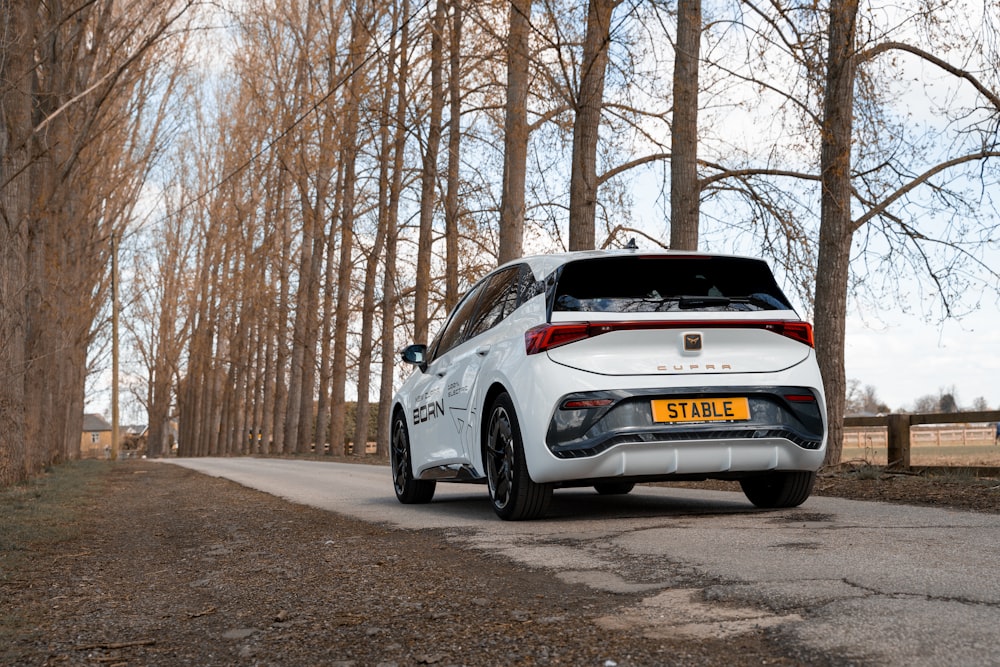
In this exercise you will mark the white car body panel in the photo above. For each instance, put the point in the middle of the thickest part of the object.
(445, 404)
(732, 351)
(690, 457)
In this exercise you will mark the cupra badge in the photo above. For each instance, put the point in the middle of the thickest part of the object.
(692, 342)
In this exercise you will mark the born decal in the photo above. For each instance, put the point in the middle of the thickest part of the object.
(427, 411)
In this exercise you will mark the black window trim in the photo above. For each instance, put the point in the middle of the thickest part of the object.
(523, 297)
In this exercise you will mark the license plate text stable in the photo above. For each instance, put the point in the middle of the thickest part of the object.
(674, 410)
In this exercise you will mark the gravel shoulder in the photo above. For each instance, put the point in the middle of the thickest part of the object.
(143, 563)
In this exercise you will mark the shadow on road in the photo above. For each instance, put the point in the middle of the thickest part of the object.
(472, 502)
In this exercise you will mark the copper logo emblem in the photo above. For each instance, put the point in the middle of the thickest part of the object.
(692, 342)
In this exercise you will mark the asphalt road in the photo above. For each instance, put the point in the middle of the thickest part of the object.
(866, 583)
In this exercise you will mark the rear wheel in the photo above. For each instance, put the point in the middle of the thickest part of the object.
(513, 493)
(408, 490)
(614, 488)
(779, 489)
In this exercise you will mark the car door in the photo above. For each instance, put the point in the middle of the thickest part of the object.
(498, 298)
(433, 440)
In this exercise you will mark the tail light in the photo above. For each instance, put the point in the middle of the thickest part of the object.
(800, 398)
(547, 336)
(800, 331)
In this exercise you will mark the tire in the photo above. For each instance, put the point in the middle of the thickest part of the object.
(614, 488)
(514, 495)
(779, 489)
(409, 491)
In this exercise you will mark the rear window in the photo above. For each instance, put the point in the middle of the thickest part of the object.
(637, 284)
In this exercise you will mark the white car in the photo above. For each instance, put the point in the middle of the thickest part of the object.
(608, 368)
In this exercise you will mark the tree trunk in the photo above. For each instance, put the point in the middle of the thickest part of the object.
(268, 380)
(15, 133)
(365, 355)
(158, 414)
(684, 190)
(832, 269)
(515, 140)
(391, 214)
(280, 332)
(356, 89)
(428, 179)
(326, 343)
(300, 334)
(310, 334)
(583, 177)
(369, 306)
(451, 207)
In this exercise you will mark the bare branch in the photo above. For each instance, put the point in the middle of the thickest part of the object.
(611, 173)
(919, 180)
(878, 49)
(725, 173)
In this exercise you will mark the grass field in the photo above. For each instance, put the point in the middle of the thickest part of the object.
(944, 455)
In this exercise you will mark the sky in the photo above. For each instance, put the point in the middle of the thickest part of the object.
(910, 358)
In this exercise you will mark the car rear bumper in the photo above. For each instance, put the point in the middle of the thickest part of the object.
(693, 459)
(621, 440)
(624, 418)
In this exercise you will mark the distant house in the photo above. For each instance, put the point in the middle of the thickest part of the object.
(95, 443)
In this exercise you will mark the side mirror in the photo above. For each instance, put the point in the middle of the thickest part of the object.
(416, 355)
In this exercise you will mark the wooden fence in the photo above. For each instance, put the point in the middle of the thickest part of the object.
(941, 435)
(900, 436)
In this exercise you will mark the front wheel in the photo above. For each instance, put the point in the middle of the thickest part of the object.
(779, 489)
(513, 493)
(409, 491)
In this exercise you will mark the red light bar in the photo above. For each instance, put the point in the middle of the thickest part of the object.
(586, 403)
(547, 336)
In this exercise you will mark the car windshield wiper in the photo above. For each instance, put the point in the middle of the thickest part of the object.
(690, 302)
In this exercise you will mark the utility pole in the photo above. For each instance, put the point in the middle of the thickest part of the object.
(114, 348)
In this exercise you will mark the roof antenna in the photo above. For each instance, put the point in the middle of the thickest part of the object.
(631, 245)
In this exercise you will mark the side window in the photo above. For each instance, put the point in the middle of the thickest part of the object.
(527, 286)
(451, 335)
(498, 301)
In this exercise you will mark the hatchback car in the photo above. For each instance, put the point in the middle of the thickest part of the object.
(609, 368)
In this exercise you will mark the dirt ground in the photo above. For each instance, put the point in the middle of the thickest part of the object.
(140, 563)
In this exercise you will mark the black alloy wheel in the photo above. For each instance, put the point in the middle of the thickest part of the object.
(408, 490)
(514, 494)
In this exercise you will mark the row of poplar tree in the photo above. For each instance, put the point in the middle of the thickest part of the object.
(302, 187)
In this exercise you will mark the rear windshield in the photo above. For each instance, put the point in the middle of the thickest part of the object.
(664, 284)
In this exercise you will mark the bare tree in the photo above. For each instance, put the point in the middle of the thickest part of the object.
(312, 192)
(75, 152)
(16, 68)
(515, 139)
(685, 190)
(864, 400)
(159, 316)
(356, 88)
(390, 188)
(838, 227)
(428, 183)
(588, 104)
(835, 229)
(452, 210)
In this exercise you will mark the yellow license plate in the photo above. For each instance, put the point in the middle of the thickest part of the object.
(676, 410)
